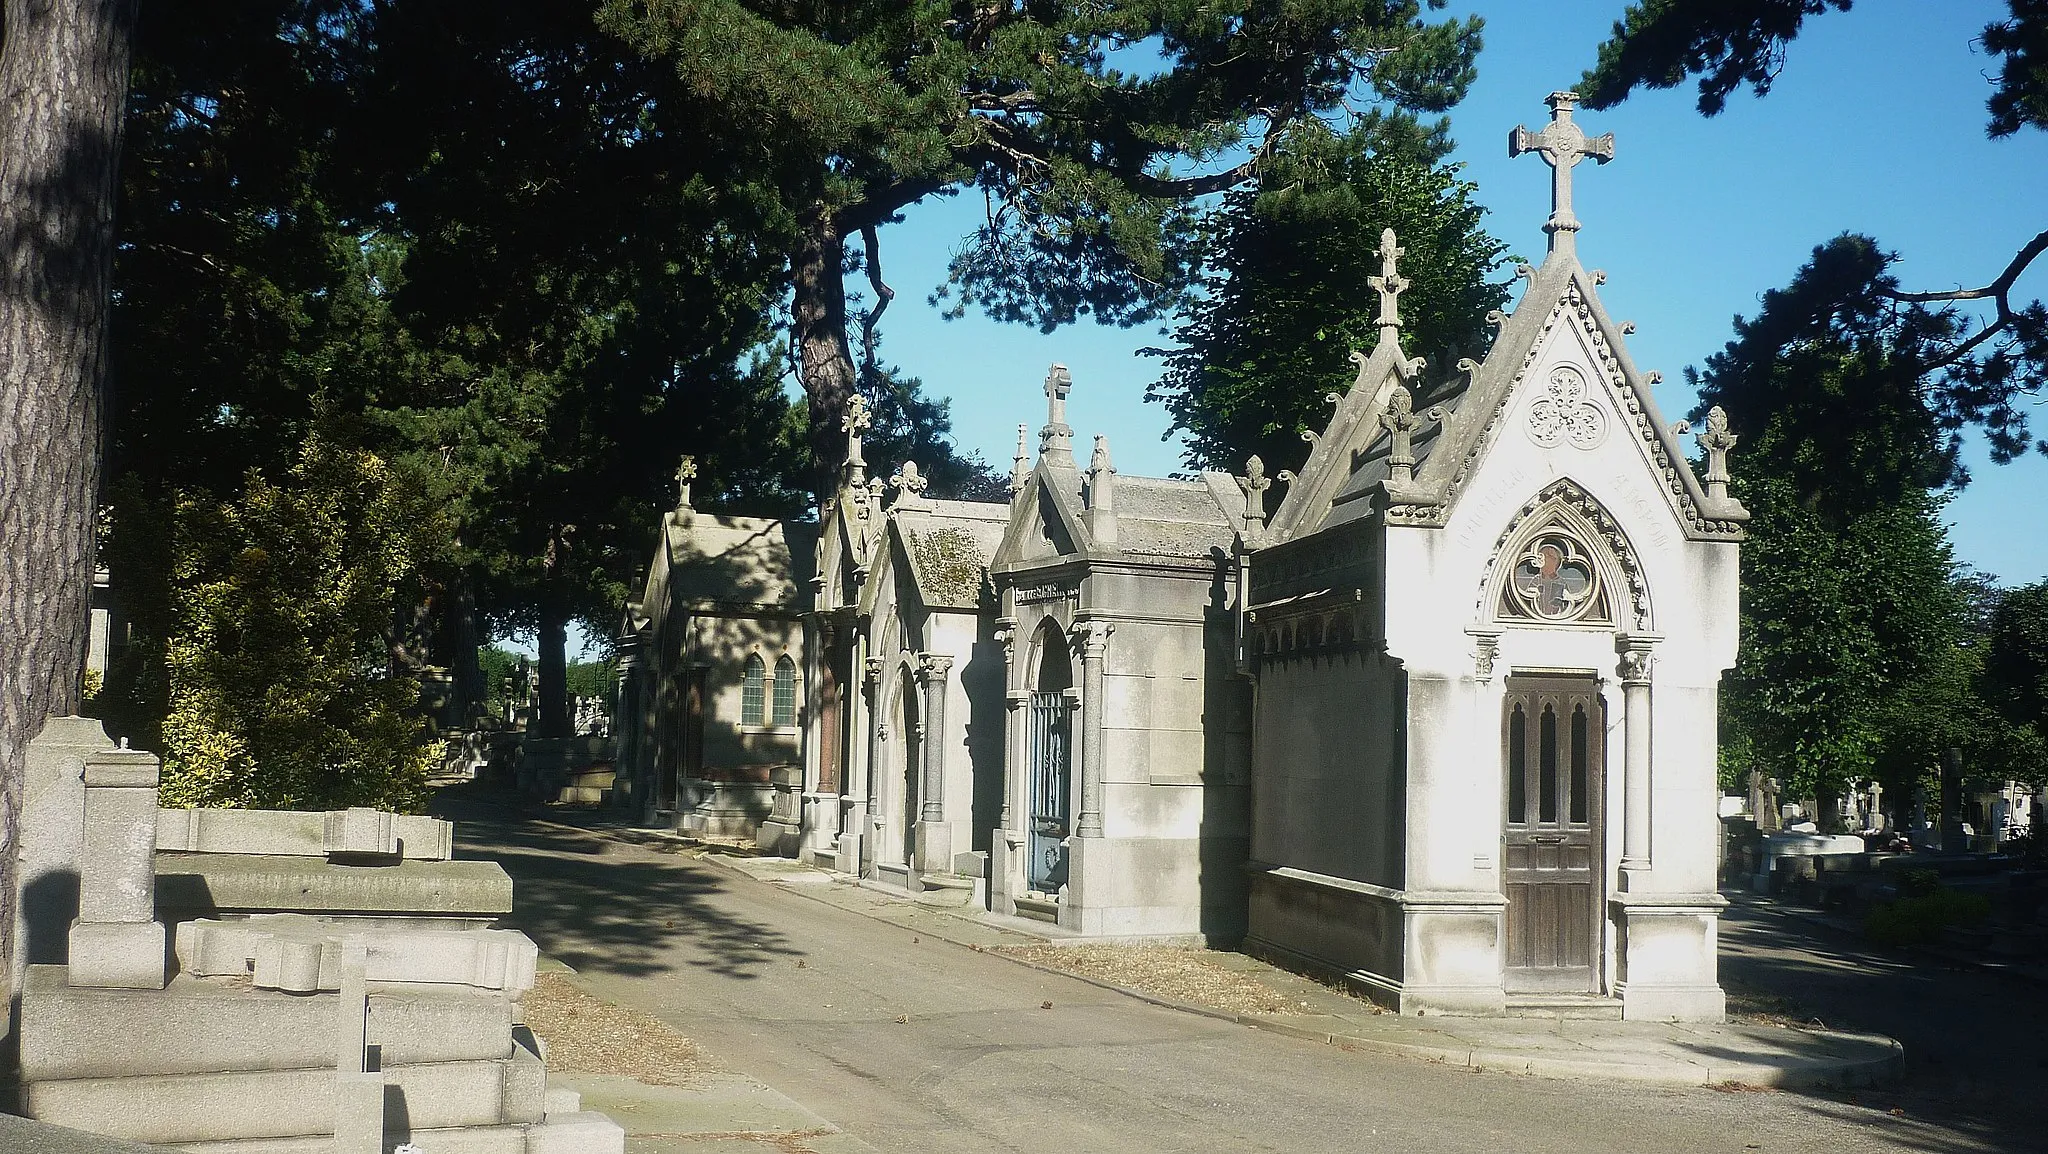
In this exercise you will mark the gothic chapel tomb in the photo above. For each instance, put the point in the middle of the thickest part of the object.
(1434, 715)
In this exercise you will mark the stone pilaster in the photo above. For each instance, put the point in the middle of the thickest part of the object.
(1636, 650)
(933, 837)
(117, 941)
(1091, 642)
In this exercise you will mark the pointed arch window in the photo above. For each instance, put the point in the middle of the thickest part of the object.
(754, 691)
(785, 691)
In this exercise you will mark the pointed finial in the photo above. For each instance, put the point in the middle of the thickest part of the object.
(1101, 511)
(686, 471)
(1562, 144)
(1400, 422)
(1020, 465)
(1254, 484)
(1389, 282)
(1717, 440)
(909, 484)
(1056, 440)
(1098, 461)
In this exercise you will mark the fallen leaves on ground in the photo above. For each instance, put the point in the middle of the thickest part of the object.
(588, 1035)
(1184, 974)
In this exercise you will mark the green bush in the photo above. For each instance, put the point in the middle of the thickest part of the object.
(1921, 918)
(282, 692)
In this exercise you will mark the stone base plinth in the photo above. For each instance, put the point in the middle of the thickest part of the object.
(118, 955)
(1668, 951)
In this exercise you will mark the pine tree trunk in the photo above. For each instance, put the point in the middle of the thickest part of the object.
(63, 80)
(818, 328)
(554, 719)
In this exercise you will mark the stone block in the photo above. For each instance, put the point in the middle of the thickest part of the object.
(202, 1025)
(118, 955)
(203, 884)
(116, 881)
(52, 826)
(562, 1100)
(182, 1108)
(295, 834)
(300, 953)
(359, 1113)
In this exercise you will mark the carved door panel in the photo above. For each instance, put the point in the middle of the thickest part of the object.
(1551, 730)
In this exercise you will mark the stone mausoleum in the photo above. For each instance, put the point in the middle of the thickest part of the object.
(1434, 713)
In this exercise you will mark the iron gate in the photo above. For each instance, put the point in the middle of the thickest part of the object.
(1051, 774)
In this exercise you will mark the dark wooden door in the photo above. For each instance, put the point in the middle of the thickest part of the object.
(1551, 732)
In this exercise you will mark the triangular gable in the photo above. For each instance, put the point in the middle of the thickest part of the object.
(1334, 455)
(946, 556)
(1561, 293)
(1045, 522)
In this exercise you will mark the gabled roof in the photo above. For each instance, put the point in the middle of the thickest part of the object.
(1348, 475)
(1155, 517)
(739, 560)
(947, 546)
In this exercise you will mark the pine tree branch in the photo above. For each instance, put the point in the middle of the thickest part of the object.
(1998, 291)
(883, 295)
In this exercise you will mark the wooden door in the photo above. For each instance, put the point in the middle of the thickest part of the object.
(1551, 732)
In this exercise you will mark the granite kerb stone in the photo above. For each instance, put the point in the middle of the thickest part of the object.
(211, 1025)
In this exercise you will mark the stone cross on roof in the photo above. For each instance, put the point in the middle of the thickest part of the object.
(1717, 440)
(1562, 144)
(1254, 483)
(856, 421)
(1400, 422)
(686, 472)
(1056, 440)
(1390, 283)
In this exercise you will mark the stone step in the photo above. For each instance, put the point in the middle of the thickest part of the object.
(202, 1025)
(1040, 909)
(1578, 1007)
(187, 1108)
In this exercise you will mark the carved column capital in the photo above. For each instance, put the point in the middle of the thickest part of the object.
(873, 667)
(1486, 644)
(1092, 638)
(1637, 652)
(933, 666)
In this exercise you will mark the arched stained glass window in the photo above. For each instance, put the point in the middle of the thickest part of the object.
(785, 691)
(754, 691)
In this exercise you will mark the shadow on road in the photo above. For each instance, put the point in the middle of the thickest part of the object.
(1976, 1042)
(607, 908)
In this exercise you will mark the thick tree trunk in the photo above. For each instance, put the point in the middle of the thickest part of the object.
(818, 329)
(554, 719)
(63, 81)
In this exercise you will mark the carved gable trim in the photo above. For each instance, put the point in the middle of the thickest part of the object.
(1572, 522)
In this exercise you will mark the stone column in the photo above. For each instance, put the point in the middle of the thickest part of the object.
(1635, 649)
(625, 721)
(932, 671)
(876, 727)
(1091, 641)
(117, 941)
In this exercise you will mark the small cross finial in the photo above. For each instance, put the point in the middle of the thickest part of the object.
(1717, 440)
(686, 471)
(1254, 483)
(1562, 144)
(1400, 422)
(1390, 283)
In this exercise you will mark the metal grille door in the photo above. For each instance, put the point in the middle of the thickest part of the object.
(1051, 774)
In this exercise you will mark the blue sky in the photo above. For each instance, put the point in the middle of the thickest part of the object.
(1876, 125)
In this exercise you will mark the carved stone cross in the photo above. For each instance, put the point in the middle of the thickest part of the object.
(686, 471)
(856, 421)
(1563, 144)
(1390, 283)
(1400, 422)
(1057, 438)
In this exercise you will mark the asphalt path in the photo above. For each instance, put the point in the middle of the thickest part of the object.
(912, 1043)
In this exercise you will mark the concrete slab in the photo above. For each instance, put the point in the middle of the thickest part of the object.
(199, 885)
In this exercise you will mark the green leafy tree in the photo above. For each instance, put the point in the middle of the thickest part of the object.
(1979, 367)
(282, 694)
(2016, 661)
(1288, 299)
(1088, 128)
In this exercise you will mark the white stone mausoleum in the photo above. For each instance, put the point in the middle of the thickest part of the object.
(1441, 722)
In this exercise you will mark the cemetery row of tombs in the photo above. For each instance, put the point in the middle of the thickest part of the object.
(1433, 711)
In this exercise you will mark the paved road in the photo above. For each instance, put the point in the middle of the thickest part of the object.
(806, 997)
